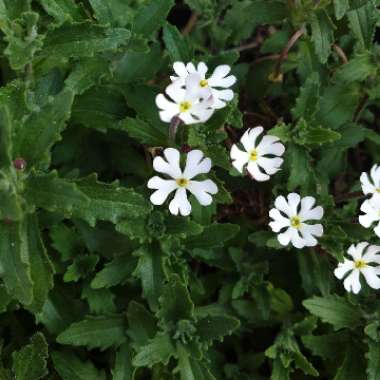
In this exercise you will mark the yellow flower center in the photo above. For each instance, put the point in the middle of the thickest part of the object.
(295, 222)
(185, 106)
(378, 190)
(253, 156)
(360, 264)
(203, 83)
(182, 182)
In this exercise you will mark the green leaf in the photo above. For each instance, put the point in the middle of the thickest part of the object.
(5, 138)
(69, 367)
(135, 66)
(151, 16)
(334, 310)
(83, 39)
(62, 10)
(145, 132)
(81, 268)
(322, 34)
(307, 103)
(318, 136)
(116, 272)
(41, 268)
(109, 202)
(53, 194)
(142, 324)
(362, 22)
(301, 171)
(353, 367)
(15, 264)
(14, 8)
(175, 302)
(177, 46)
(158, 350)
(326, 346)
(341, 7)
(373, 357)
(150, 269)
(100, 301)
(30, 362)
(41, 129)
(23, 40)
(182, 226)
(113, 12)
(87, 73)
(123, 369)
(358, 68)
(216, 327)
(279, 371)
(65, 240)
(189, 368)
(96, 332)
(213, 236)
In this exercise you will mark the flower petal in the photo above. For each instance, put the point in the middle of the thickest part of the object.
(164, 188)
(297, 240)
(343, 268)
(171, 165)
(372, 254)
(282, 204)
(270, 165)
(180, 69)
(202, 190)
(202, 69)
(249, 138)
(285, 237)
(352, 282)
(239, 158)
(371, 277)
(256, 173)
(196, 163)
(279, 222)
(367, 186)
(294, 200)
(180, 203)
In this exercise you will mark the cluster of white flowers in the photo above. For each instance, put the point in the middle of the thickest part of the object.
(194, 98)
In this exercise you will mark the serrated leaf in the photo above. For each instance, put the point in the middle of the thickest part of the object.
(100, 301)
(82, 266)
(177, 46)
(279, 371)
(52, 193)
(145, 132)
(13, 9)
(189, 368)
(301, 171)
(322, 34)
(373, 357)
(123, 369)
(341, 7)
(216, 327)
(158, 350)
(113, 12)
(142, 324)
(150, 269)
(62, 10)
(31, 361)
(5, 137)
(41, 268)
(318, 135)
(151, 16)
(69, 367)
(41, 129)
(213, 236)
(65, 240)
(352, 367)
(307, 103)
(109, 202)
(83, 39)
(175, 302)
(362, 22)
(358, 68)
(182, 226)
(116, 272)
(334, 310)
(14, 262)
(99, 332)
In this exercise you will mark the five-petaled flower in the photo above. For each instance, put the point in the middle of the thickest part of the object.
(218, 83)
(371, 183)
(363, 256)
(261, 159)
(181, 181)
(371, 210)
(291, 215)
(186, 104)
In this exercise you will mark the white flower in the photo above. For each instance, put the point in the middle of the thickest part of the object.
(181, 181)
(290, 216)
(371, 183)
(218, 83)
(186, 104)
(360, 264)
(371, 209)
(263, 159)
